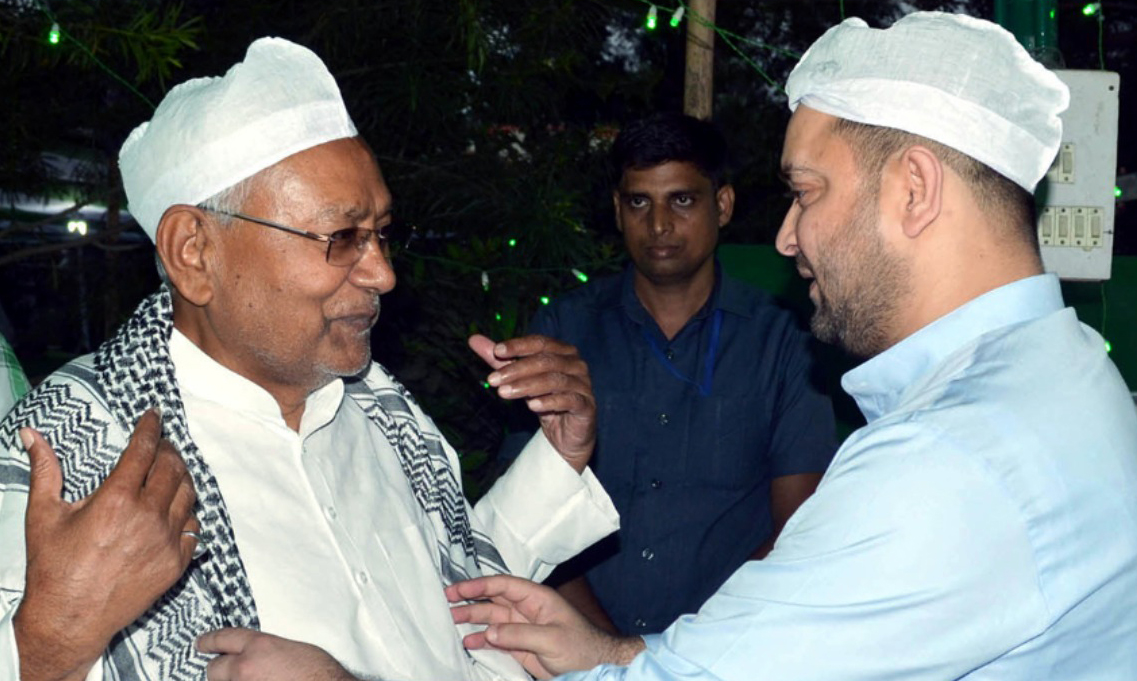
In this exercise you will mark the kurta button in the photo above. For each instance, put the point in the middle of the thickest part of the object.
(670, 354)
(361, 577)
(648, 554)
(664, 420)
(330, 511)
(656, 484)
(640, 624)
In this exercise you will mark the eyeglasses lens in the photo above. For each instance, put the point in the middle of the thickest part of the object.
(348, 245)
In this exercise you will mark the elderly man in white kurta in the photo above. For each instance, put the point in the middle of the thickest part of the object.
(232, 457)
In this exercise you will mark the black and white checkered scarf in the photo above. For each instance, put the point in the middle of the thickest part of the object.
(87, 411)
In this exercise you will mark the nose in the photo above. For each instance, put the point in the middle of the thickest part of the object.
(373, 270)
(660, 221)
(786, 241)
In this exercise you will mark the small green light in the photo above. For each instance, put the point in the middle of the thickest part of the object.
(53, 34)
(512, 243)
(677, 16)
(1108, 346)
(580, 275)
(486, 385)
(1052, 14)
(1091, 8)
(652, 18)
(497, 316)
(545, 300)
(1117, 192)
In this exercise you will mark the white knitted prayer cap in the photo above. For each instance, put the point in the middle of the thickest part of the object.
(208, 134)
(960, 81)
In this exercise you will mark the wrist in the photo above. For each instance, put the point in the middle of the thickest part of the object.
(47, 653)
(625, 649)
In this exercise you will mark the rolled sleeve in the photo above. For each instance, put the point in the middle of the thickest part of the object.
(541, 512)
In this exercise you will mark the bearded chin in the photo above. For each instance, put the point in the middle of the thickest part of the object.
(858, 331)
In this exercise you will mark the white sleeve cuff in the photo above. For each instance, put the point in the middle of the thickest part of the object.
(9, 656)
(550, 509)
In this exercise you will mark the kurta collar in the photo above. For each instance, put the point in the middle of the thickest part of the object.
(878, 385)
(201, 376)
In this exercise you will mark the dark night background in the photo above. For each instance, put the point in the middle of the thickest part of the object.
(490, 120)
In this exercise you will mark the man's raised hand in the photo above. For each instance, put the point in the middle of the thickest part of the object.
(95, 565)
(553, 380)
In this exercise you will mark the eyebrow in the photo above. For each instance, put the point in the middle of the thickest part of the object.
(788, 170)
(353, 213)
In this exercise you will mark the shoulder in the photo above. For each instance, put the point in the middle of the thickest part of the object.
(751, 302)
(580, 307)
(598, 293)
(65, 400)
(910, 484)
(69, 410)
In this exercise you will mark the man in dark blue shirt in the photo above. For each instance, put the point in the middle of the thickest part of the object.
(710, 433)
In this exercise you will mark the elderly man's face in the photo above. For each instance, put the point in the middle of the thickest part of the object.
(832, 230)
(282, 315)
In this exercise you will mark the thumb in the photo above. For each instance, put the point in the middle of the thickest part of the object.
(46, 478)
(483, 346)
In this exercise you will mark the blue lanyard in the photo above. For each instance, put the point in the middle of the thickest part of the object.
(703, 385)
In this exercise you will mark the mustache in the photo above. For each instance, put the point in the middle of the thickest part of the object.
(804, 268)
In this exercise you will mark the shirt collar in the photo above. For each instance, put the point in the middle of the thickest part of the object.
(879, 384)
(726, 295)
(200, 376)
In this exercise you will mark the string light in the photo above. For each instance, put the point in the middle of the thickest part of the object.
(55, 35)
(1108, 347)
(512, 243)
(1091, 8)
(486, 385)
(545, 300)
(652, 18)
(497, 316)
(677, 16)
(1116, 192)
(485, 280)
(580, 275)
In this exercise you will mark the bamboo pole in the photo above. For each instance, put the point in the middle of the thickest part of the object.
(698, 83)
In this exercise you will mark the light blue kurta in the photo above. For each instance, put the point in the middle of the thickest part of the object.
(983, 525)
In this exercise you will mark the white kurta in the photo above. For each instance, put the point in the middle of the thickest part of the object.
(337, 551)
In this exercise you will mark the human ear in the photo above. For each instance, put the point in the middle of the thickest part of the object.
(182, 242)
(923, 185)
(725, 200)
(616, 209)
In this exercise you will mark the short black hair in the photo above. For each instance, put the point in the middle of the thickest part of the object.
(664, 137)
(994, 193)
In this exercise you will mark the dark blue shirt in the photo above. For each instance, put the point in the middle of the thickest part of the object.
(689, 473)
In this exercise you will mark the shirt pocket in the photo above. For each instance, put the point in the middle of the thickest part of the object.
(728, 443)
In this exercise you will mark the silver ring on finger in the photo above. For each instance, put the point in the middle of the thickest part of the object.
(200, 548)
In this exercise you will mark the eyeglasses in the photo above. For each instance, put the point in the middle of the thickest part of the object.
(345, 246)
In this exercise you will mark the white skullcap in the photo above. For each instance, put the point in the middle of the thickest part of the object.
(960, 81)
(208, 134)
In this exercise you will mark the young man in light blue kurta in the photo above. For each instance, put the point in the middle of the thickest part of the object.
(983, 524)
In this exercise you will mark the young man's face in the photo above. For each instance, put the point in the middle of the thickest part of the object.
(832, 230)
(670, 216)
